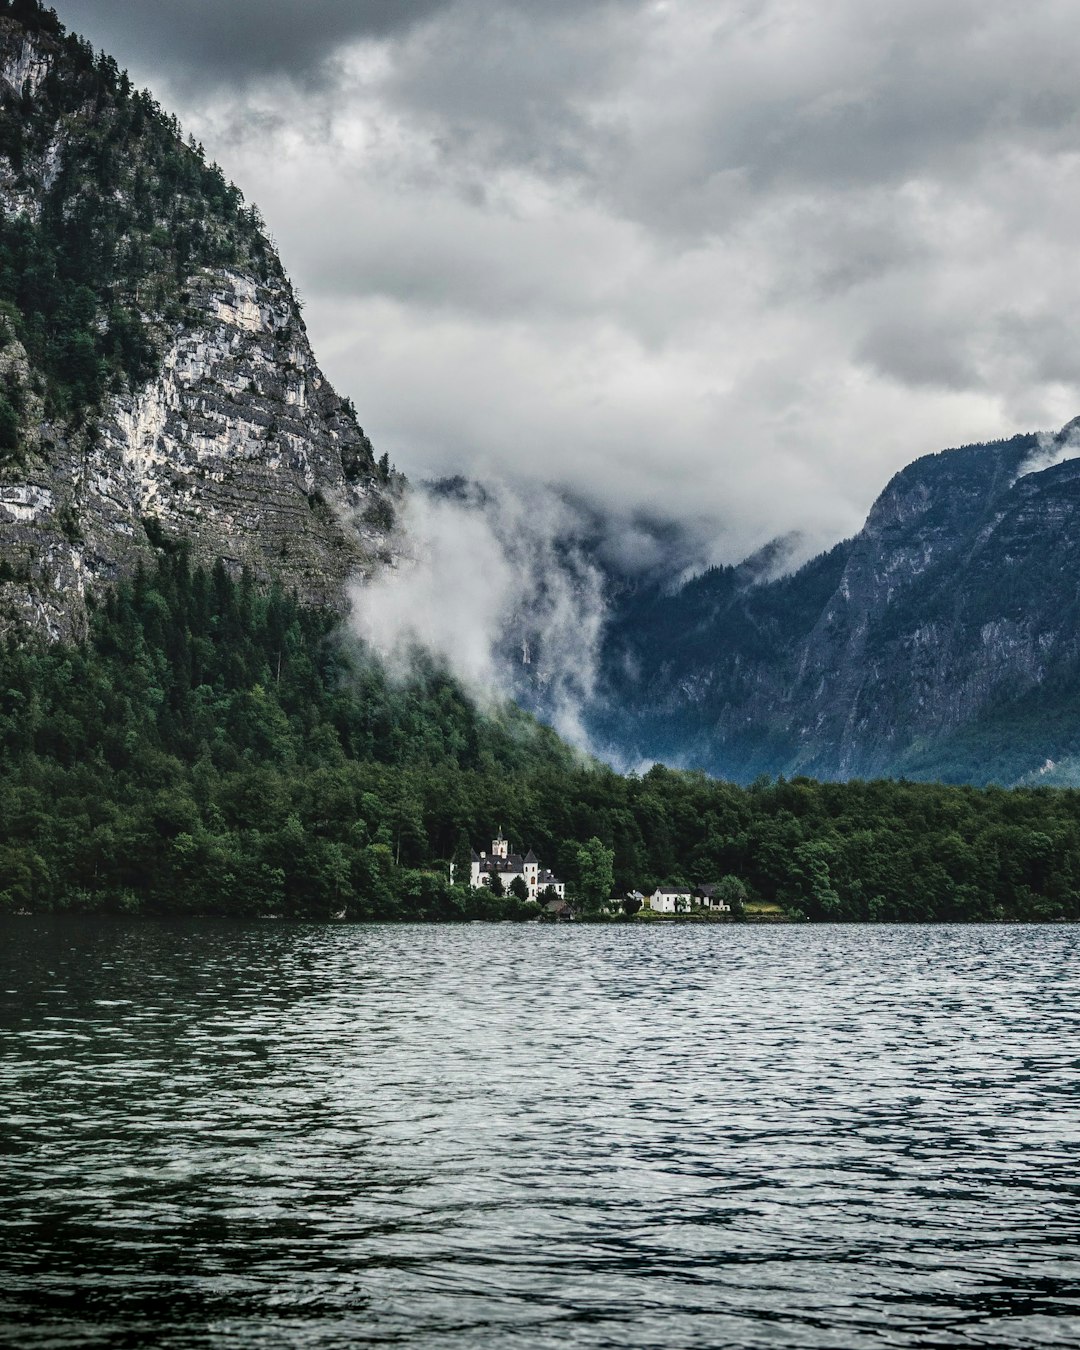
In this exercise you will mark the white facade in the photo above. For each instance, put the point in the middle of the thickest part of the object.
(535, 876)
(670, 902)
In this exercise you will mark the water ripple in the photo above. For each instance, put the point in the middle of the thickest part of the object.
(263, 1136)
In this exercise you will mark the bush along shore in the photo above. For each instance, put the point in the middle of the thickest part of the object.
(213, 749)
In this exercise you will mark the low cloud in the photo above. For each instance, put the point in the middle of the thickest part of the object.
(1052, 450)
(498, 588)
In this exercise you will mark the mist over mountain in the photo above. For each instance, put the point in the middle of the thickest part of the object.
(939, 642)
(942, 641)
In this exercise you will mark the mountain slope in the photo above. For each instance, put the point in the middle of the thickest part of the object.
(942, 641)
(155, 372)
(217, 748)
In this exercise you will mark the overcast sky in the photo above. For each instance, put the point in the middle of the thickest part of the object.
(733, 261)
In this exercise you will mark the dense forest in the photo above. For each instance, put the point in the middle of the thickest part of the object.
(214, 749)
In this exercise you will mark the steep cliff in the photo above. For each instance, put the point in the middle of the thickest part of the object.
(156, 378)
(942, 641)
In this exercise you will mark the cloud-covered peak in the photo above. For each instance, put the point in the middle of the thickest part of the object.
(728, 262)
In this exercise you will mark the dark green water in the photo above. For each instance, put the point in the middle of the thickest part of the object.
(269, 1136)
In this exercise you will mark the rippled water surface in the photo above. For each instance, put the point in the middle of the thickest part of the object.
(582, 1136)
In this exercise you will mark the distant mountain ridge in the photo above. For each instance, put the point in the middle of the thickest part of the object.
(156, 379)
(157, 383)
(942, 641)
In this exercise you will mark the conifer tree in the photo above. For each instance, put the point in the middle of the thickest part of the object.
(462, 860)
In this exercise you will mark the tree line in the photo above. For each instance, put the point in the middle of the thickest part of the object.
(211, 748)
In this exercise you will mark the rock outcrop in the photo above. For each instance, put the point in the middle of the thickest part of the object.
(231, 438)
(943, 641)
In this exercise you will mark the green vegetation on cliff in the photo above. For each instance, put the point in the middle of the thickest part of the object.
(109, 213)
(214, 749)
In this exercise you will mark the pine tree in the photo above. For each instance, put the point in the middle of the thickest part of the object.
(462, 860)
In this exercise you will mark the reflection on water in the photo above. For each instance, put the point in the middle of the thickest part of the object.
(491, 1135)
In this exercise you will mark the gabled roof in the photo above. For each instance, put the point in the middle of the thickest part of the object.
(514, 862)
(511, 864)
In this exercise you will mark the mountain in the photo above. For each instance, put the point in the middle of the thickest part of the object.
(156, 378)
(943, 641)
(182, 495)
(157, 387)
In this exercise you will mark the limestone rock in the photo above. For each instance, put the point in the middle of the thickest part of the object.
(236, 442)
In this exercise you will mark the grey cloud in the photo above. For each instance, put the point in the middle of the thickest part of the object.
(515, 84)
(207, 42)
(826, 99)
(226, 43)
(842, 97)
(727, 263)
(922, 350)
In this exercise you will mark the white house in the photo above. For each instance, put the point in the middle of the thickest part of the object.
(668, 901)
(506, 865)
(708, 899)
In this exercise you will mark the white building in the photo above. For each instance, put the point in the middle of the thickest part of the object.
(667, 901)
(506, 865)
(708, 899)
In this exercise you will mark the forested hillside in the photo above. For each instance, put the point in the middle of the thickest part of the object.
(94, 266)
(214, 748)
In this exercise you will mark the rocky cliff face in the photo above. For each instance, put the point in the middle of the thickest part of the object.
(221, 429)
(238, 445)
(891, 658)
(943, 641)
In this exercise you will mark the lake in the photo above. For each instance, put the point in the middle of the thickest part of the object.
(270, 1135)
